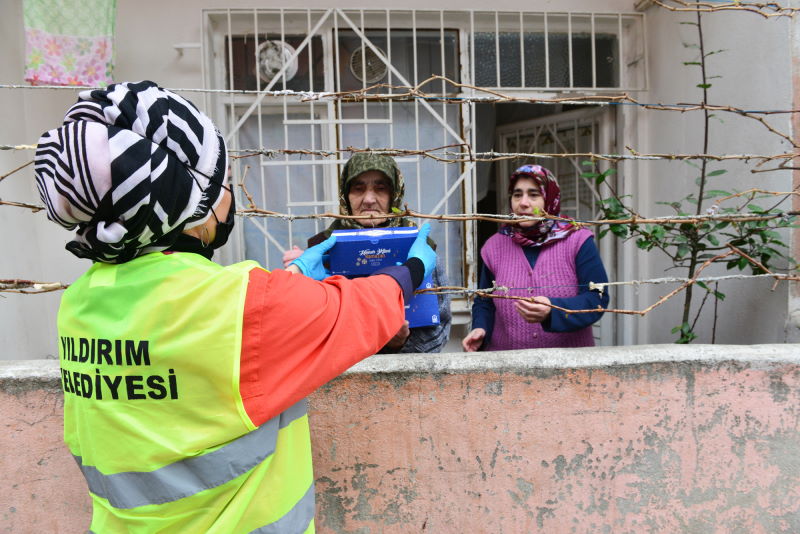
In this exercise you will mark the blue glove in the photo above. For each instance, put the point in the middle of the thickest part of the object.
(421, 250)
(311, 262)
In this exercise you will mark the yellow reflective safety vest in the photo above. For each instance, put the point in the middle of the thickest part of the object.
(149, 353)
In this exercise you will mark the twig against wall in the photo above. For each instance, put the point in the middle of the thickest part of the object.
(16, 285)
(764, 9)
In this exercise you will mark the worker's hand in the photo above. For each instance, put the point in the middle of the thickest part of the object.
(399, 339)
(312, 262)
(534, 312)
(474, 340)
(422, 250)
(290, 255)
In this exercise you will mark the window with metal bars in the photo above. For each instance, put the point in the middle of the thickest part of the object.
(349, 49)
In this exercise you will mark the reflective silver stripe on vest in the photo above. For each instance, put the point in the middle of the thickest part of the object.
(296, 520)
(192, 475)
(295, 411)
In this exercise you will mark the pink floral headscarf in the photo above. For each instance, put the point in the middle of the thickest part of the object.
(547, 230)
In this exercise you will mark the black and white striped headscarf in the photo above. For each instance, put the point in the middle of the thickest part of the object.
(132, 167)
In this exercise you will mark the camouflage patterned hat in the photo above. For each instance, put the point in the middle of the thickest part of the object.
(355, 166)
(364, 162)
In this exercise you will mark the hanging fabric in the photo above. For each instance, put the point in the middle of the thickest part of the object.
(69, 42)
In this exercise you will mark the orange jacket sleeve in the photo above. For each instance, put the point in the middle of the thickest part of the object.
(299, 333)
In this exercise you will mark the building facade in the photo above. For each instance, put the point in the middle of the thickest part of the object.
(479, 70)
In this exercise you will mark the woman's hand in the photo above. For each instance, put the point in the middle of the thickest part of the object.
(399, 339)
(474, 339)
(534, 311)
(290, 255)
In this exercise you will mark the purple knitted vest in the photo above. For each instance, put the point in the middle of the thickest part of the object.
(554, 276)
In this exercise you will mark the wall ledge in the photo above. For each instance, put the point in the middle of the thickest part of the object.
(525, 361)
(518, 361)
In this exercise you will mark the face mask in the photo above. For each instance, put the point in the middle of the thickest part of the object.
(224, 228)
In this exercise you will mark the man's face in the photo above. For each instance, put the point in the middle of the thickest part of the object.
(527, 199)
(370, 194)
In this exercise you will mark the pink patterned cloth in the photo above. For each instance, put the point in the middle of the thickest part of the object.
(69, 42)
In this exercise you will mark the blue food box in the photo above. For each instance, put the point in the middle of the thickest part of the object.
(362, 252)
(423, 308)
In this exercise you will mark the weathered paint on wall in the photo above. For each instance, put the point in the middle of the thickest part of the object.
(585, 441)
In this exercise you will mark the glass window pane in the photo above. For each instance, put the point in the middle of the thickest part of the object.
(305, 73)
(360, 67)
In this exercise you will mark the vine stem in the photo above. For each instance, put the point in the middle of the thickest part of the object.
(687, 302)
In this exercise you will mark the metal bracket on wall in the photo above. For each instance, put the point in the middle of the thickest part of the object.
(180, 47)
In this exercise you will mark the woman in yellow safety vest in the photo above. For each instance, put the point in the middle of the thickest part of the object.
(184, 381)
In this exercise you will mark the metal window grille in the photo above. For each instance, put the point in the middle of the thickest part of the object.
(342, 49)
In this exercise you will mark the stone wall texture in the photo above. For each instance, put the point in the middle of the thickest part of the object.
(653, 439)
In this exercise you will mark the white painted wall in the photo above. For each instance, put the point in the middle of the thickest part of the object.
(756, 74)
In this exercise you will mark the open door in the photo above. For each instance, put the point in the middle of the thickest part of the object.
(586, 130)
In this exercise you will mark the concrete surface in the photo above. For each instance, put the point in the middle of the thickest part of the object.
(644, 439)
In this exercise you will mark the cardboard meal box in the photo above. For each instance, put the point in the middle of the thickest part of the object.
(362, 252)
(423, 308)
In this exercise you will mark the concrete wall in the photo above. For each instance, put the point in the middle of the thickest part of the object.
(646, 439)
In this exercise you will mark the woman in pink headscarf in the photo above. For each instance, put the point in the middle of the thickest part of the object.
(551, 261)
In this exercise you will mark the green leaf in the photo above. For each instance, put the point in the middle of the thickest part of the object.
(703, 85)
(619, 230)
(396, 210)
(683, 250)
(743, 263)
(687, 334)
(687, 63)
(716, 172)
(713, 239)
(713, 193)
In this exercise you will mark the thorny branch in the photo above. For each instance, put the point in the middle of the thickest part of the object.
(33, 287)
(764, 9)
(492, 217)
(33, 207)
(29, 287)
(687, 283)
(449, 156)
(6, 175)
(500, 218)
